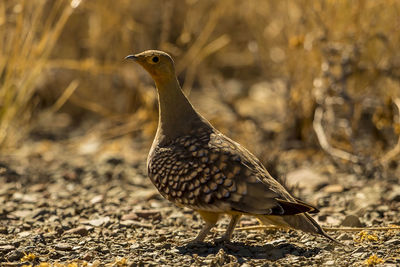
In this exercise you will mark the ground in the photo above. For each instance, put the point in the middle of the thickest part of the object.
(310, 87)
(63, 207)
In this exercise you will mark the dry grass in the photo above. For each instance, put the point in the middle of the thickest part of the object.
(27, 40)
(339, 56)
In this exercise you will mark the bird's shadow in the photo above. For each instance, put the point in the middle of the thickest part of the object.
(243, 252)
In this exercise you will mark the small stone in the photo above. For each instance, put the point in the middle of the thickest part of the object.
(105, 250)
(38, 187)
(39, 212)
(6, 248)
(134, 246)
(161, 239)
(22, 213)
(15, 255)
(55, 255)
(174, 250)
(333, 188)
(63, 247)
(51, 235)
(394, 195)
(135, 223)
(330, 263)
(352, 221)
(393, 242)
(24, 234)
(306, 178)
(358, 255)
(16, 242)
(88, 256)
(359, 250)
(332, 220)
(99, 221)
(97, 199)
(82, 231)
(382, 208)
(149, 214)
(344, 236)
(129, 216)
(96, 263)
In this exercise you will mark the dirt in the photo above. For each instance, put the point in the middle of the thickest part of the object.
(97, 208)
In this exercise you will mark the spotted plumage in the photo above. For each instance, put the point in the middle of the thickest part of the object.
(194, 165)
(206, 170)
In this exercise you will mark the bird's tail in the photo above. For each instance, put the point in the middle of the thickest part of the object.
(301, 221)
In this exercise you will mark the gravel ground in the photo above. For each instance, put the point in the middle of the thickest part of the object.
(57, 207)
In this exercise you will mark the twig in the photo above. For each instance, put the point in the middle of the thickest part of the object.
(65, 96)
(323, 140)
(211, 48)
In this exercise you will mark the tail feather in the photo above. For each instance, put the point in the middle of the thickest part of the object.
(302, 222)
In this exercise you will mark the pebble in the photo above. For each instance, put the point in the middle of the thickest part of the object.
(330, 263)
(135, 223)
(6, 248)
(395, 194)
(344, 236)
(352, 221)
(359, 249)
(15, 255)
(87, 256)
(99, 221)
(161, 238)
(306, 178)
(97, 199)
(134, 246)
(148, 214)
(82, 231)
(129, 216)
(24, 234)
(333, 188)
(393, 242)
(3, 230)
(63, 247)
(174, 250)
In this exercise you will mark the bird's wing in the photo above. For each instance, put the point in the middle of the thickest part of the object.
(253, 189)
(208, 171)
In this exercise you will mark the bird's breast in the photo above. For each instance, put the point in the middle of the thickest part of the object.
(188, 172)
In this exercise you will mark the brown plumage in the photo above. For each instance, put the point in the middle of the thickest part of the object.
(194, 165)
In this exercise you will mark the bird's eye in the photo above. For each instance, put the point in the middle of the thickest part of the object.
(155, 59)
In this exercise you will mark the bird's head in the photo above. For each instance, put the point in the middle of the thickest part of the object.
(158, 64)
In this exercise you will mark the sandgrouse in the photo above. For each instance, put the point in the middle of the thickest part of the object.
(193, 165)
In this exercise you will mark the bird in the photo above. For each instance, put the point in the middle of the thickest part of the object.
(194, 165)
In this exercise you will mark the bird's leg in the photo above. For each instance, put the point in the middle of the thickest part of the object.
(203, 233)
(228, 233)
(211, 219)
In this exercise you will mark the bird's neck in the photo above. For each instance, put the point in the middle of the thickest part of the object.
(176, 115)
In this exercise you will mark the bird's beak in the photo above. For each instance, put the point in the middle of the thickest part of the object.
(133, 57)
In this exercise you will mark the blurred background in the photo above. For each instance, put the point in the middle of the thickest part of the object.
(312, 88)
(290, 80)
